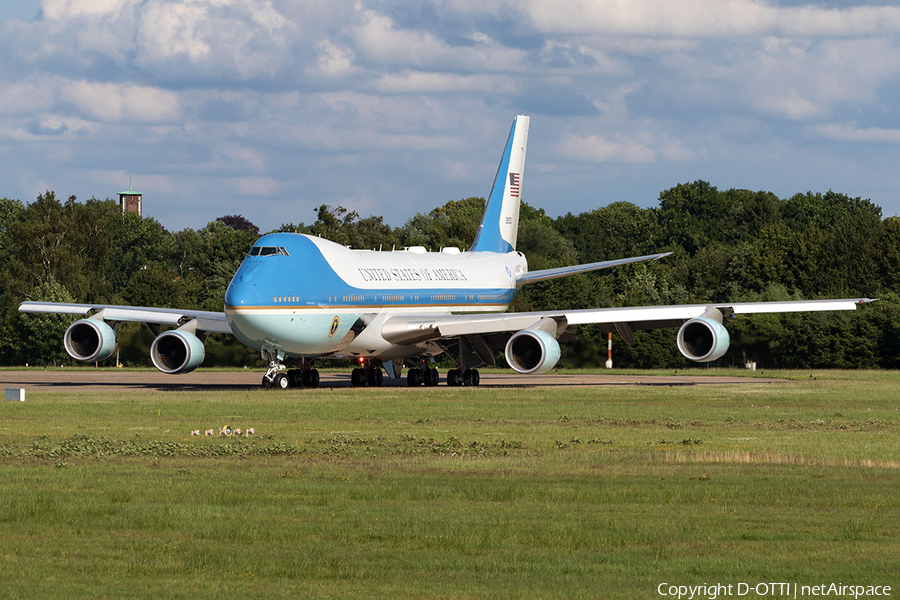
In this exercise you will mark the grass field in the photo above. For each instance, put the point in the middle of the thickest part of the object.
(453, 492)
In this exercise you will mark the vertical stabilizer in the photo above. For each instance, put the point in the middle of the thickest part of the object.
(500, 223)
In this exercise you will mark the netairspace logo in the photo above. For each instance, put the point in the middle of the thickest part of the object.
(771, 590)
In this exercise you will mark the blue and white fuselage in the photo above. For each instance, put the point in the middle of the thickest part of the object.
(303, 295)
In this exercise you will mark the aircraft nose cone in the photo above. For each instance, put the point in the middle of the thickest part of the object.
(239, 294)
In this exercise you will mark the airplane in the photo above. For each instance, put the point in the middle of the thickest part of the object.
(303, 299)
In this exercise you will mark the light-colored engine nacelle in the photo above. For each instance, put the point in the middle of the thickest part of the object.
(703, 339)
(532, 351)
(175, 352)
(90, 340)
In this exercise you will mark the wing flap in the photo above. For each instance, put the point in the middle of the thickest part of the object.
(409, 329)
(639, 314)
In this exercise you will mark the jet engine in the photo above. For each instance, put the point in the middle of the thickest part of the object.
(703, 339)
(532, 351)
(90, 340)
(176, 351)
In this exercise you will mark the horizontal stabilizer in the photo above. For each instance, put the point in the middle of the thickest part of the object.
(545, 274)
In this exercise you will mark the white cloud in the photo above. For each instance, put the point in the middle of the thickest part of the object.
(169, 29)
(256, 186)
(674, 150)
(705, 18)
(416, 82)
(790, 104)
(242, 158)
(239, 38)
(369, 139)
(28, 96)
(44, 126)
(593, 148)
(560, 55)
(58, 10)
(333, 60)
(798, 81)
(117, 102)
(379, 40)
(357, 103)
(849, 132)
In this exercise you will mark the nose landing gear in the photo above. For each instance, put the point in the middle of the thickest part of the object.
(278, 378)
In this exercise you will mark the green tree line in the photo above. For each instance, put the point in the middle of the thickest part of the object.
(728, 246)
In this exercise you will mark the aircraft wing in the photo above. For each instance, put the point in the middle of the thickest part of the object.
(532, 276)
(407, 329)
(206, 321)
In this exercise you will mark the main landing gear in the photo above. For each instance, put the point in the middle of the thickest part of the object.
(458, 377)
(430, 377)
(369, 374)
(426, 377)
(362, 377)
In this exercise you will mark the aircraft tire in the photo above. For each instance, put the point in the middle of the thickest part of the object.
(357, 378)
(266, 383)
(311, 378)
(453, 378)
(297, 378)
(282, 382)
(414, 377)
(374, 378)
(476, 377)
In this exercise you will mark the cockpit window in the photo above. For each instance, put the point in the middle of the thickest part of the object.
(268, 251)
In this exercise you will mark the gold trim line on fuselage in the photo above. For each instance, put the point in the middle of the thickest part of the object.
(361, 306)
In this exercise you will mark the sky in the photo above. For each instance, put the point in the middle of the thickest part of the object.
(271, 108)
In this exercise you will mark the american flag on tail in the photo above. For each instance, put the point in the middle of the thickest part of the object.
(514, 179)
